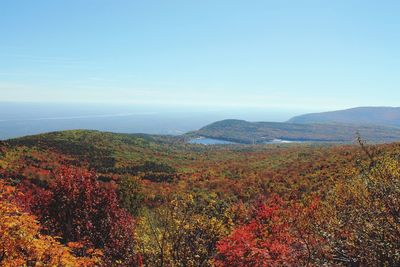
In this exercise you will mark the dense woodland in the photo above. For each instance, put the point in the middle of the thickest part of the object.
(88, 198)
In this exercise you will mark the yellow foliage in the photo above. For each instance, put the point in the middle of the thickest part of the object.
(182, 232)
(362, 214)
(21, 244)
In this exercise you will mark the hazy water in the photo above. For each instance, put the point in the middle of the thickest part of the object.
(281, 141)
(19, 119)
(210, 141)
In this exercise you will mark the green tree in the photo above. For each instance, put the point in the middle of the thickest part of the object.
(130, 194)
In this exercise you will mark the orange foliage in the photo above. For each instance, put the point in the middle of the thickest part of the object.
(21, 243)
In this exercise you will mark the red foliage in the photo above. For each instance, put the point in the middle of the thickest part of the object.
(78, 208)
(271, 238)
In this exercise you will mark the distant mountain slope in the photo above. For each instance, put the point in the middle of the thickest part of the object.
(361, 115)
(258, 132)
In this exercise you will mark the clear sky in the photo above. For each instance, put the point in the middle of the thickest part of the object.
(299, 54)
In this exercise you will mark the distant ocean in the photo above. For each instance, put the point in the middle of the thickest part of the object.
(20, 119)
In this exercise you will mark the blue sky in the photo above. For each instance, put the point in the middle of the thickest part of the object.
(306, 55)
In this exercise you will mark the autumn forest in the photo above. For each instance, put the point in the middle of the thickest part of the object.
(89, 198)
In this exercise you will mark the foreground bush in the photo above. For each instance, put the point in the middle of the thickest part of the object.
(79, 209)
(276, 235)
(21, 243)
(183, 232)
(362, 215)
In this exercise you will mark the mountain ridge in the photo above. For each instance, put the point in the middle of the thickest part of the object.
(379, 115)
(246, 132)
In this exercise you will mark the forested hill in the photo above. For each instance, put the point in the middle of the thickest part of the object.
(360, 115)
(103, 151)
(258, 132)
